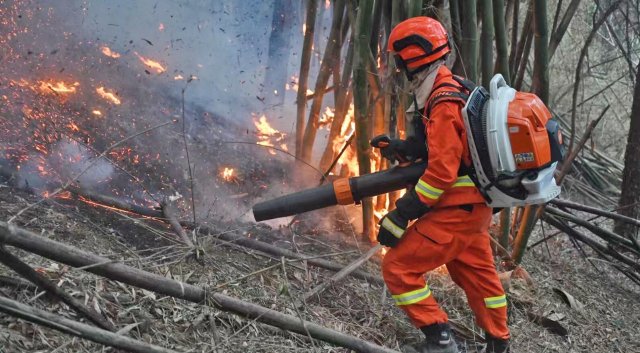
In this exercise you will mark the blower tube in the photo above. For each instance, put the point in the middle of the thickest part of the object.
(342, 191)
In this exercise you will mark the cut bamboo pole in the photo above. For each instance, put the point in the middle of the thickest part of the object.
(340, 275)
(101, 266)
(24, 270)
(170, 214)
(59, 323)
(595, 211)
(562, 27)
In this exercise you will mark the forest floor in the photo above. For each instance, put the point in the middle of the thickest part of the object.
(602, 315)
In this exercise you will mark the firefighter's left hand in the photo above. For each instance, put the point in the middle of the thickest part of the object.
(392, 228)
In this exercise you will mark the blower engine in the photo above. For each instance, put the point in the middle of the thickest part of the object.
(514, 144)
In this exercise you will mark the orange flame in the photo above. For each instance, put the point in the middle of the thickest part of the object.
(58, 87)
(96, 112)
(228, 174)
(151, 63)
(108, 95)
(267, 135)
(110, 53)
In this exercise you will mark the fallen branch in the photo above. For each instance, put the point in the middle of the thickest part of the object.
(598, 247)
(228, 237)
(340, 275)
(39, 280)
(595, 211)
(170, 215)
(71, 256)
(75, 328)
(605, 234)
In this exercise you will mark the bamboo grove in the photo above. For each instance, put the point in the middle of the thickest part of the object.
(513, 37)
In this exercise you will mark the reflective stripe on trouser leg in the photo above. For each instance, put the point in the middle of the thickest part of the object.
(496, 302)
(412, 297)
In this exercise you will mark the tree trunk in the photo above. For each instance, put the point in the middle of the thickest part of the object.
(540, 80)
(486, 39)
(516, 55)
(631, 174)
(469, 20)
(361, 104)
(303, 78)
(502, 59)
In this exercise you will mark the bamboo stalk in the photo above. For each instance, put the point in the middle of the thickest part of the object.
(540, 79)
(361, 105)
(600, 232)
(578, 73)
(505, 227)
(517, 56)
(77, 329)
(24, 270)
(595, 211)
(101, 266)
(331, 53)
(562, 27)
(456, 28)
(469, 22)
(303, 78)
(258, 245)
(486, 38)
(170, 214)
(502, 57)
(415, 8)
(524, 232)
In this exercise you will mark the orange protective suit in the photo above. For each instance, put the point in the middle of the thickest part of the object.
(454, 233)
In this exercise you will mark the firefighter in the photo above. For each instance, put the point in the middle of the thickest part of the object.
(452, 218)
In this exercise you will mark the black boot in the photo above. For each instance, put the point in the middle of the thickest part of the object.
(496, 345)
(438, 340)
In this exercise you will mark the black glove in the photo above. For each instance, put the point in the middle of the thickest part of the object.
(394, 224)
(392, 227)
(399, 150)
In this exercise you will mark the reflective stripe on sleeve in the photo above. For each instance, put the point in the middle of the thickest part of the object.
(392, 227)
(496, 302)
(413, 296)
(427, 190)
(464, 180)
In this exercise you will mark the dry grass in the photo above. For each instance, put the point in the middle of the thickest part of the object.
(609, 321)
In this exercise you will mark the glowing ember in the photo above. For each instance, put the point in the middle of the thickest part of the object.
(58, 87)
(108, 95)
(178, 77)
(327, 3)
(151, 63)
(268, 136)
(161, 27)
(110, 53)
(228, 174)
(96, 112)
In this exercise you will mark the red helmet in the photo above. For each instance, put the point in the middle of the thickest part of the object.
(417, 43)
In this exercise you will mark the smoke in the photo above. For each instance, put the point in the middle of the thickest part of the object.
(60, 59)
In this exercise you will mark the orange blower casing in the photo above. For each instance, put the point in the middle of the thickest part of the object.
(526, 119)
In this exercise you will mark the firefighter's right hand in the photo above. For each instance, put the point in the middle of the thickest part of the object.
(392, 228)
(391, 149)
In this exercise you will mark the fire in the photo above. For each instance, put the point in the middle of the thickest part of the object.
(108, 95)
(96, 112)
(327, 4)
(58, 87)
(228, 174)
(268, 136)
(151, 63)
(110, 53)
